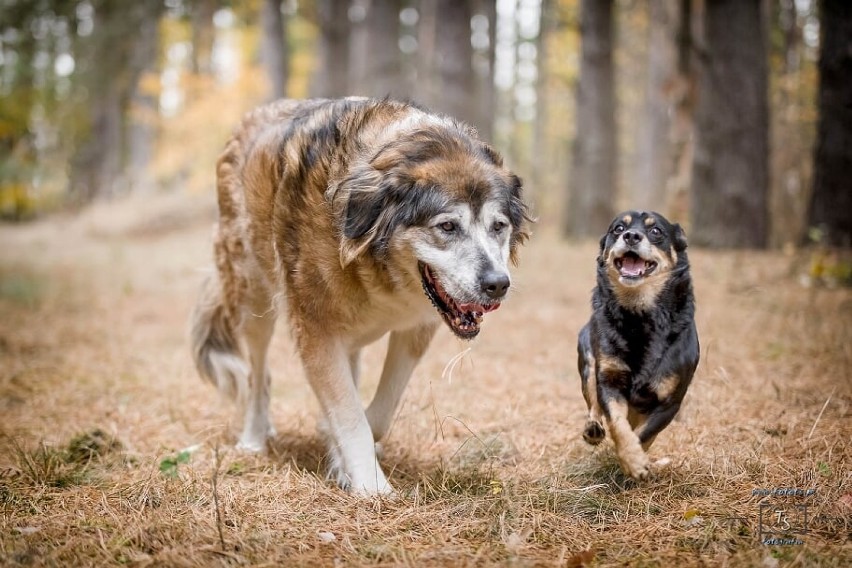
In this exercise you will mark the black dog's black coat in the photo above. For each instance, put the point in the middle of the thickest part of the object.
(639, 351)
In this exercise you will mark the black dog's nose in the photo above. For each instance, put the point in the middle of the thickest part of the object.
(632, 238)
(494, 284)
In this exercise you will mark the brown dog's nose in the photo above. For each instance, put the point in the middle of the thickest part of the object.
(632, 238)
(494, 284)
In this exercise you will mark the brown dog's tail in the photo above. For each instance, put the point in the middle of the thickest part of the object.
(215, 348)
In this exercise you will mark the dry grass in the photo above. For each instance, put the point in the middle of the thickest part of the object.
(113, 452)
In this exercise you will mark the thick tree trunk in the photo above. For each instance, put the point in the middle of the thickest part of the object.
(203, 34)
(831, 201)
(383, 57)
(332, 75)
(654, 165)
(593, 185)
(731, 163)
(454, 58)
(484, 101)
(142, 119)
(115, 56)
(274, 52)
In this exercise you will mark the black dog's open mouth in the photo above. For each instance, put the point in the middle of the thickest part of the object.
(462, 319)
(632, 266)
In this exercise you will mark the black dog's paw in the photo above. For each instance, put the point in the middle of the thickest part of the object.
(593, 433)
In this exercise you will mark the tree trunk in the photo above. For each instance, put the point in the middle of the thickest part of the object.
(484, 99)
(593, 187)
(731, 162)
(655, 149)
(203, 34)
(453, 59)
(383, 58)
(274, 52)
(332, 75)
(142, 119)
(831, 201)
(115, 56)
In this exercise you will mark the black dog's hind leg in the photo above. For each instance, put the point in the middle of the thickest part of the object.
(593, 431)
(656, 422)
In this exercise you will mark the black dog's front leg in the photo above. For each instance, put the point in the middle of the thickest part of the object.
(613, 379)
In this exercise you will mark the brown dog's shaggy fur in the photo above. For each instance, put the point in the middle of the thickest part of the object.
(341, 213)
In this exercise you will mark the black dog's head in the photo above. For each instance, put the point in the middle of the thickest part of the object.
(639, 254)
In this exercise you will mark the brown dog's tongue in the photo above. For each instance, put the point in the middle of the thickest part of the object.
(632, 266)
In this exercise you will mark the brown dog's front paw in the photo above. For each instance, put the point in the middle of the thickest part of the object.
(593, 433)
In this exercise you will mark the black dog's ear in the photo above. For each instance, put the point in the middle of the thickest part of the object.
(601, 249)
(679, 238)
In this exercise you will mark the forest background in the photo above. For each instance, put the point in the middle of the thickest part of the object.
(705, 111)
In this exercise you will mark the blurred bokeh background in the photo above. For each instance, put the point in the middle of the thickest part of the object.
(706, 110)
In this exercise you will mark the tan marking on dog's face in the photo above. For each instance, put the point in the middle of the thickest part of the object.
(627, 219)
(650, 221)
(639, 295)
(634, 461)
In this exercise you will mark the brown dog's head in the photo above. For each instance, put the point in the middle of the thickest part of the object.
(638, 255)
(436, 206)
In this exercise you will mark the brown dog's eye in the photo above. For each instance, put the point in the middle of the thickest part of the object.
(656, 232)
(448, 226)
(499, 226)
(618, 230)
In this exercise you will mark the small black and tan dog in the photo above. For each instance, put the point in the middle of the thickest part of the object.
(640, 349)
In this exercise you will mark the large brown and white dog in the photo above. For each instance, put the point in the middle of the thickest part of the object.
(355, 218)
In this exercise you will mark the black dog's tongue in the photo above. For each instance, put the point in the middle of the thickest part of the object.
(632, 266)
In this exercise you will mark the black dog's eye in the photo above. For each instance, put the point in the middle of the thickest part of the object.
(448, 226)
(618, 230)
(655, 232)
(499, 226)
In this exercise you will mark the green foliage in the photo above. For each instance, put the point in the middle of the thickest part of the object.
(169, 465)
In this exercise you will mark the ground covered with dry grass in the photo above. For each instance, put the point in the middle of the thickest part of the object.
(112, 451)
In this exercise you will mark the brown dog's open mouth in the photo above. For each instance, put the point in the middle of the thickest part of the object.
(462, 319)
(632, 266)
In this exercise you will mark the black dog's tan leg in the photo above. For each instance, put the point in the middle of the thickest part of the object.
(634, 461)
(405, 349)
(593, 431)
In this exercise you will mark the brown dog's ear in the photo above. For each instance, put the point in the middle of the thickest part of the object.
(519, 216)
(493, 155)
(363, 204)
(679, 238)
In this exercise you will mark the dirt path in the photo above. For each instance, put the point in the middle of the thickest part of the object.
(98, 398)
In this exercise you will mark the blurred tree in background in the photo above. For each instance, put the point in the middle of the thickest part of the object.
(591, 200)
(831, 202)
(100, 98)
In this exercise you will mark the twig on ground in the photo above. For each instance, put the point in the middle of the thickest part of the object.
(216, 496)
(820, 413)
